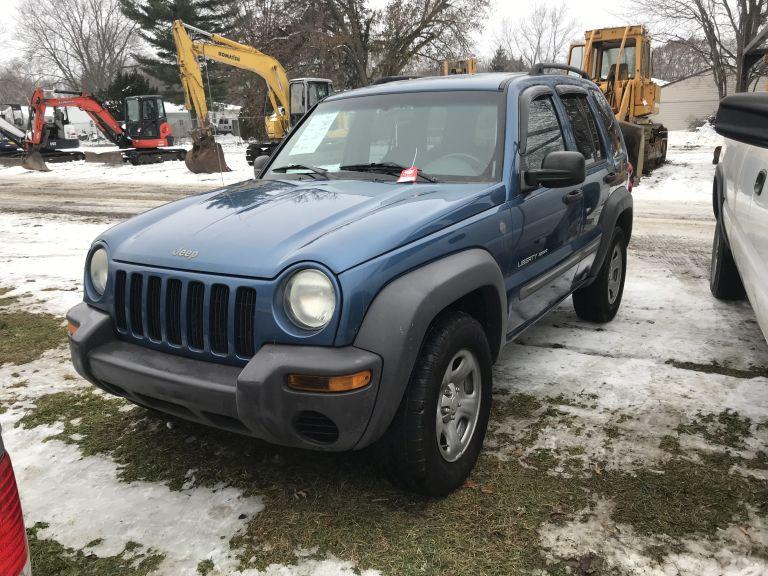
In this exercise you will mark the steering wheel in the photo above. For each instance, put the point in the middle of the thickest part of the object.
(476, 164)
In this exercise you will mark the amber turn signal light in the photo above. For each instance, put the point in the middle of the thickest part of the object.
(72, 327)
(307, 383)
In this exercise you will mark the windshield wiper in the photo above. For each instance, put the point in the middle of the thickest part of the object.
(384, 167)
(313, 169)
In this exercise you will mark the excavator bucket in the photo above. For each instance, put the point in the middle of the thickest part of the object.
(34, 161)
(206, 156)
(114, 158)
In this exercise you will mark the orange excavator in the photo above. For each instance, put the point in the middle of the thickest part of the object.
(143, 138)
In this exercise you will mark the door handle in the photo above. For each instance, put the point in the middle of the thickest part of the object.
(760, 182)
(573, 196)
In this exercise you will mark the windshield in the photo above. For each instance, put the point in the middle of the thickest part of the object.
(449, 136)
(609, 57)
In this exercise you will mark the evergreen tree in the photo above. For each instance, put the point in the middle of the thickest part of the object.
(500, 61)
(131, 83)
(155, 18)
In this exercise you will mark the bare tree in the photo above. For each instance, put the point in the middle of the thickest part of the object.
(725, 27)
(365, 43)
(18, 80)
(83, 43)
(542, 36)
(674, 59)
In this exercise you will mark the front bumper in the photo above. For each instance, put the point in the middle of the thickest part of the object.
(252, 400)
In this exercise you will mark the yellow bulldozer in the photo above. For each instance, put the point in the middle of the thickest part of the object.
(618, 60)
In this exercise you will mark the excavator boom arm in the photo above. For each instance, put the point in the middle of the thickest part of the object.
(221, 49)
(85, 102)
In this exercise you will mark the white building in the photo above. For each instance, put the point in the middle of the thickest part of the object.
(688, 100)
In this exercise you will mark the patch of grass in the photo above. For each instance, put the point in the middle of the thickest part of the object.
(515, 406)
(681, 498)
(341, 504)
(724, 369)
(670, 443)
(52, 559)
(563, 400)
(25, 336)
(6, 300)
(205, 567)
(726, 428)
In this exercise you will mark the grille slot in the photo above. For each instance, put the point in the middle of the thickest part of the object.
(173, 312)
(120, 319)
(245, 311)
(195, 302)
(153, 308)
(137, 325)
(219, 311)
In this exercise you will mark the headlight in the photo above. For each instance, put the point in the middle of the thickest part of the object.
(310, 299)
(98, 270)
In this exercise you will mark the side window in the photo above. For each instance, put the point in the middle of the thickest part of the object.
(584, 128)
(544, 133)
(609, 121)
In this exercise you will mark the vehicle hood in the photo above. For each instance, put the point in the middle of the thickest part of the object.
(258, 228)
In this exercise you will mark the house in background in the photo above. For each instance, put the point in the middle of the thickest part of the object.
(689, 101)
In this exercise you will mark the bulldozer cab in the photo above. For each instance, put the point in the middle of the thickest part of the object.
(143, 117)
(619, 61)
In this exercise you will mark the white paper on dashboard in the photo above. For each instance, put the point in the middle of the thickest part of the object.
(313, 134)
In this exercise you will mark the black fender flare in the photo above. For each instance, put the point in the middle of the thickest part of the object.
(399, 317)
(617, 204)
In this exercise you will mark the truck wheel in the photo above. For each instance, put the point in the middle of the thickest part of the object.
(724, 280)
(438, 431)
(600, 301)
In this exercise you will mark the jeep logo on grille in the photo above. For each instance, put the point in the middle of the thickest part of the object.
(185, 253)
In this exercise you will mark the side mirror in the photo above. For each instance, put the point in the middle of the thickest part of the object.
(559, 169)
(258, 164)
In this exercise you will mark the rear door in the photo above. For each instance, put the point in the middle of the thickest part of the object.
(587, 138)
(543, 267)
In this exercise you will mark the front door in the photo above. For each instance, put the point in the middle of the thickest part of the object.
(543, 267)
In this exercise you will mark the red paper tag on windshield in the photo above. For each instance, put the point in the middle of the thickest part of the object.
(409, 174)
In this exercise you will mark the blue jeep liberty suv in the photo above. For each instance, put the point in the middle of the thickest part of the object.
(332, 304)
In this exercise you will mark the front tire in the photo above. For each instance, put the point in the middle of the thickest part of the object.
(600, 301)
(435, 438)
(724, 279)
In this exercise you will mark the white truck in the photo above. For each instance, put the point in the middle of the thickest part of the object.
(740, 202)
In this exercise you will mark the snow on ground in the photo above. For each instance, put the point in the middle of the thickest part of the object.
(171, 172)
(667, 315)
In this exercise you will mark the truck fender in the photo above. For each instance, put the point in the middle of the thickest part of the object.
(400, 315)
(617, 204)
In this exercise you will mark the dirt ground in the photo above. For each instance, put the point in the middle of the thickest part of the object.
(639, 447)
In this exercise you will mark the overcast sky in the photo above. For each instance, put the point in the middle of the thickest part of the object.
(588, 13)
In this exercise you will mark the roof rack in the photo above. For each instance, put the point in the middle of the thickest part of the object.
(538, 69)
(388, 79)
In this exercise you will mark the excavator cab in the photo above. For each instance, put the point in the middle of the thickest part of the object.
(303, 93)
(146, 123)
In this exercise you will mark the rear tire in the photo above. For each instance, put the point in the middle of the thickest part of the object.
(600, 301)
(724, 279)
(434, 440)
